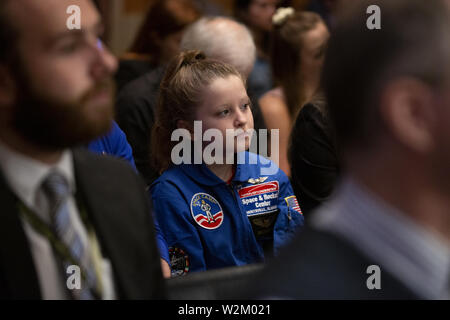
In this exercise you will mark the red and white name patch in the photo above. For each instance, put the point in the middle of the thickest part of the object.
(258, 189)
(260, 199)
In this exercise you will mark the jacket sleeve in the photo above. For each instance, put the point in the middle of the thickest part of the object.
(177, 226)
(161, 242)
(121, 147)
(290, 218)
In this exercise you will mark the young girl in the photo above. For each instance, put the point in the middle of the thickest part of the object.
(215, 215)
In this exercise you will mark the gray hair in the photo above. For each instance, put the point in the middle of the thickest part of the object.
(222, 39)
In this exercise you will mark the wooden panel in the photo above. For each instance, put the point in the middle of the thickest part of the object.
(136, 6)
(300, 4)
(226, 5)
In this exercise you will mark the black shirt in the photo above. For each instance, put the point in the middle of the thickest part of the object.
(135, 114)
(313, 157)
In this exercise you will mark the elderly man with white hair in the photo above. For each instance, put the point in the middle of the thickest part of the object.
(222, 39)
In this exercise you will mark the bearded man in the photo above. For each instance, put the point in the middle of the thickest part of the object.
(73, 225)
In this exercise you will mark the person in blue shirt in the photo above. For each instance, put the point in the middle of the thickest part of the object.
(218, 213)
(115, 143)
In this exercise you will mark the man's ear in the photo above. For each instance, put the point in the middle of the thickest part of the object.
(183, 124)
(406, 107)
(7, 87)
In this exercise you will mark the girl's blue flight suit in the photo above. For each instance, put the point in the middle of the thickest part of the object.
(211, 224)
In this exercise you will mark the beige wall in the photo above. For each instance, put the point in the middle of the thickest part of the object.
(123, 26)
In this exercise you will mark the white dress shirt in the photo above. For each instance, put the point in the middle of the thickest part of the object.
(25, 177)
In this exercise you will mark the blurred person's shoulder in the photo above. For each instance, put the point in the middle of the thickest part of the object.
(129, 70)
(104, 169)
(322, 265)
(273, 95)
(143, 88)
(273, 106)
(172, 178)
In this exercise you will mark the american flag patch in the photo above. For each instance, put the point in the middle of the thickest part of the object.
(292, 203)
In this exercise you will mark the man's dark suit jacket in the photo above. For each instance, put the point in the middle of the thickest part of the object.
(321, 265)
(117, 206)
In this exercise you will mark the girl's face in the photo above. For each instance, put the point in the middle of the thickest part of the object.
(225, 105)
(313, 53)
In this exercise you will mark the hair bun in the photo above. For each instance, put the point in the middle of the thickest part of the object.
(190, 57)
(281, 15)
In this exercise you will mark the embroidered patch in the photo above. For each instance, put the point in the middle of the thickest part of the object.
(260, 199)
(257, 180)
(258, 189)
(206, 211)
(179, 262)
(292, 203)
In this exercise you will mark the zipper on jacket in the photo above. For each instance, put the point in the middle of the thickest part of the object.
(244, 217)
(246, 222)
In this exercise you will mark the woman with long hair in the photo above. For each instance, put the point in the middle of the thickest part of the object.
(298, 49)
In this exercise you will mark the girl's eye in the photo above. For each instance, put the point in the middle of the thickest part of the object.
(69, 47)
(224, 112)
(246, 106)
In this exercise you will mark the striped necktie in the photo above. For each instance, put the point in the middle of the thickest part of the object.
(57, 191)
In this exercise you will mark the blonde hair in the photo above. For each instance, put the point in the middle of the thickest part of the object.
(179, 96)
